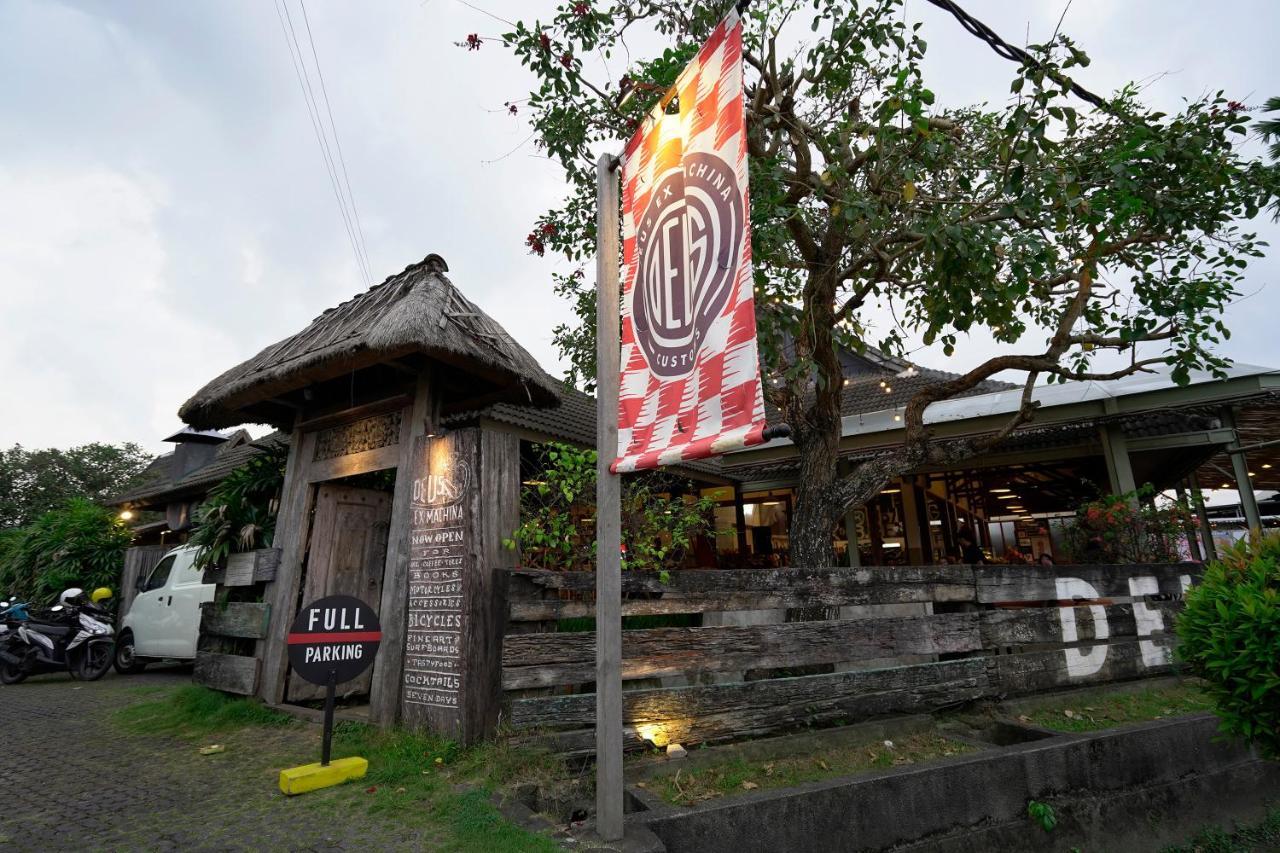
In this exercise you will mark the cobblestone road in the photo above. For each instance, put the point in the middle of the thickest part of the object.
(71, 780)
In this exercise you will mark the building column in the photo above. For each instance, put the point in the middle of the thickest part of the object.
(1206, 531)
(916, 539)
(851, 534)
(1193, 546)
(1240, 466)
(740, 521)
(1119, 469)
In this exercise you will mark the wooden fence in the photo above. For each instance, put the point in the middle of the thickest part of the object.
(234, 626)
(1007, 630)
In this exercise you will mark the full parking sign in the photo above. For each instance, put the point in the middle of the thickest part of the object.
(333, 639)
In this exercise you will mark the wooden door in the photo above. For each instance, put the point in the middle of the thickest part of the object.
(346, 553)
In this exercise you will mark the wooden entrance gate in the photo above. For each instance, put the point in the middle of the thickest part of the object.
(346, 556)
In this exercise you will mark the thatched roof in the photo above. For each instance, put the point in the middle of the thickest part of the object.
(418, 311)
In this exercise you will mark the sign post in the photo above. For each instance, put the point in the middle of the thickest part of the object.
(677, 376)
(333, 639)
(608, 512)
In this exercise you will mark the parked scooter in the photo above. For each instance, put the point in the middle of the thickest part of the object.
(76, 635)
(12, 609)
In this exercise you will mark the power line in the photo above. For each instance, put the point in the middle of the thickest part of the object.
(304, 83)
(346, 179)
(1015, 54)
(314, 106)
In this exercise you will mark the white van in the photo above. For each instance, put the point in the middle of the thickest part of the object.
(163, 621)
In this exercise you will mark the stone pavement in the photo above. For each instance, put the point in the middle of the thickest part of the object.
(70, 779)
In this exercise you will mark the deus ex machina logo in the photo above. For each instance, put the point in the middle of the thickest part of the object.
(688, 244)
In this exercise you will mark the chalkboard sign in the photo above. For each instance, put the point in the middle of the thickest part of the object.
(334, 638)
(439, 545)
(464, 498)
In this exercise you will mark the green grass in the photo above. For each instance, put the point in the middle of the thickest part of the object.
(1092, 713)
(412, 778)
(422, 778)
(1264, 835)
(192, 710)
(688, 786)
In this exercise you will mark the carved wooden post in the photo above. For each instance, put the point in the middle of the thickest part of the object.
(464, 502)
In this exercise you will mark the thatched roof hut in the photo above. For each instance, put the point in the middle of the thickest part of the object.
(415, 314)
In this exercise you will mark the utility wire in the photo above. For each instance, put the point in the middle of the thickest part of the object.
(342, 161)
(299, 67)
(314, 105)
(1015, 54)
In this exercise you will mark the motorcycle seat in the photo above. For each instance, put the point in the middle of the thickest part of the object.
(49, 629)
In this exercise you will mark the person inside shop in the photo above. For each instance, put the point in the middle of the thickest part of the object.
(970, 553)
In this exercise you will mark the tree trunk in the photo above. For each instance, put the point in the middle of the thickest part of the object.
(818, 507)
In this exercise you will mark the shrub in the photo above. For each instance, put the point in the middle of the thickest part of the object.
(79, 544)
(1112, 530)
(239, 513)
(1230, 636)
(558, 515)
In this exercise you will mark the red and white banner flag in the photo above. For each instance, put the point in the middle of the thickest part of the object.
(690, 384)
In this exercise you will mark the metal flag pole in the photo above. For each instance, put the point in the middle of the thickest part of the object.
(608, 511)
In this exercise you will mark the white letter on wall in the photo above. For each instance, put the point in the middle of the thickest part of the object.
(1079, 662)
(1149, 621)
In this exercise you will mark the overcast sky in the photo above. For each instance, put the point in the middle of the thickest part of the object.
(165, 211)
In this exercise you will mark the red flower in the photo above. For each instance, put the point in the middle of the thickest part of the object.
(548, 228)
(1235, 106)
(566, 59)
(543, 41)
(581, 9)
(535, 244)
(473, 41)
(511, 108)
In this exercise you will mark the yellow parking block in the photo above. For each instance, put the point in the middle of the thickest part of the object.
(309, 777)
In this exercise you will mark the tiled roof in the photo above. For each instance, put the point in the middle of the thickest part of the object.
(228, 458)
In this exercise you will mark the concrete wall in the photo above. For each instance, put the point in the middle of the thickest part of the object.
(1129, 789)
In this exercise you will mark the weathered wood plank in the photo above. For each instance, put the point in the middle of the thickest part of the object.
(384, 690)
(720, 712)
(1031, 583)
(251, 567)
(543, 595)
(1036, 625)
(1034, 672)
(575, 744)
(228, 673)
(465, 498)
(235, 619)
(545, 660)
(282, 593)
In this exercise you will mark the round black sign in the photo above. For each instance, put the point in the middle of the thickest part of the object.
(337, 634)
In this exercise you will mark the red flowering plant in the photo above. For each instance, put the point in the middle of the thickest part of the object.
(1137, 527)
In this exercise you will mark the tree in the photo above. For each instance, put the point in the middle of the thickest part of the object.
(239, 514)
(77, 544)
(1269, 130)
(33, 482)
(1067, 231)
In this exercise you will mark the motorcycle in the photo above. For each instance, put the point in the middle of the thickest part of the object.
(12, 609)
(75, 635)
